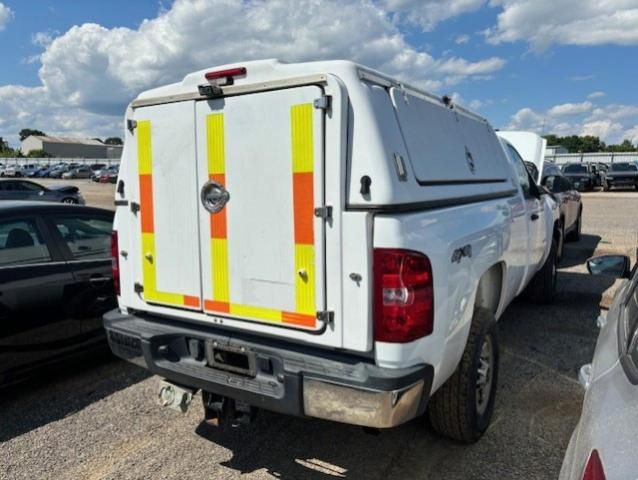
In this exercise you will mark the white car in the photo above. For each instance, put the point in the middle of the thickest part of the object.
(603, 445)
(323, 240)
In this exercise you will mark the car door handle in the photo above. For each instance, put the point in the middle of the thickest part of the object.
(534, 217)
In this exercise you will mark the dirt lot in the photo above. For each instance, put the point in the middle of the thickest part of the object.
(102, 421)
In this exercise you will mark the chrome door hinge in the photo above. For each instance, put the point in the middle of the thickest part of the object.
(324, 212)
(324, 102)
(135, 207)
(131, 125)
(327, 317)
(138, 287)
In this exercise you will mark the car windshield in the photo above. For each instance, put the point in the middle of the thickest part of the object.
(576, 169)
(623, 167)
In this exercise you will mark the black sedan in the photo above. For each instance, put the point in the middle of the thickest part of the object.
(55, 284)
(28, 190)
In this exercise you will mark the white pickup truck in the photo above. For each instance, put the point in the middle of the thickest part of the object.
(320, 239)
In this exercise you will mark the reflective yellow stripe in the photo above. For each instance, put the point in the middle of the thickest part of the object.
(218, 245)
(305, 285)
(148, 264)
(301, 135)
(260, 313)
(215, 143)
(219, 255)
(144, 153)
(301, 120)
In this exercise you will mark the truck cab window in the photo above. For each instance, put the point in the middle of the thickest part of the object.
(521, 172)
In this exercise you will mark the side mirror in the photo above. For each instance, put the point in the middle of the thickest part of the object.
(617, 266)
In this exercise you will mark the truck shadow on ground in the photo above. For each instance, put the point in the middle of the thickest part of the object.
(53, 395)
(577, 253)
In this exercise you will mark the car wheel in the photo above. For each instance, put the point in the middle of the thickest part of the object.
(462, 408)
(69, 200)
(542, 288)
(575, 234)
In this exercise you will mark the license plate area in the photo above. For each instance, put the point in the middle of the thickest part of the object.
(231, 358)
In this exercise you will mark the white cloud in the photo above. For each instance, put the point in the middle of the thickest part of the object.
(612, 123)
(98, 70)
(569, 109)
(6, 14)
(569, 22)
(597, 94)
(428, 13)
(601, 128)
(461, 39)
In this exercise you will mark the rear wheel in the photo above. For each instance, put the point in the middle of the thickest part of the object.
(69, 200)
(575, 234)
(462, 408)
(542, 288)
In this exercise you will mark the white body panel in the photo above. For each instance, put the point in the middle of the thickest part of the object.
(442, 200)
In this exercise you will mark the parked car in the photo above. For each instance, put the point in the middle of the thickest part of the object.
(105, 172)
(584, 176)
(356, 298)
(20, 170)
(531, 147)
(569, 202)
(28, 190)
(56, 282)
(58, 171)
(621, 174)
(78, 172)
(603, 445)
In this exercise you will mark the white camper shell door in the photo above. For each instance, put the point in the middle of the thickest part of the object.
(164, 181)
(262, 255)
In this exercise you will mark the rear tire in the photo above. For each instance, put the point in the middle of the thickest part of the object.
(462, 407)
(69, 200)
(542, 288)
(576, 233)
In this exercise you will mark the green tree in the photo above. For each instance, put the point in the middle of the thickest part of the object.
(27, 132)
(38, 154)
(113, 141)
(625, 146)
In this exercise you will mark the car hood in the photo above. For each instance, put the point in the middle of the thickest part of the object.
(65, 189)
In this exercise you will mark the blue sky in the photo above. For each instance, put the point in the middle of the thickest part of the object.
(562, 66)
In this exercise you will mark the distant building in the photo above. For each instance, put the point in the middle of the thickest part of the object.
(70, 147)
(555, 150)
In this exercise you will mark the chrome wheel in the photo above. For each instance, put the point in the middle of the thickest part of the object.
(69, 200)
(484, 376)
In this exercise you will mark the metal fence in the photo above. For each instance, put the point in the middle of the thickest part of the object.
(10, 161)
(597, 157)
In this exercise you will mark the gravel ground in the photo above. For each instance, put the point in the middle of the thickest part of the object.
(102, 421)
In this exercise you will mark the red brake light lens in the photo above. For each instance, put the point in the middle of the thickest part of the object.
(403, 295)
(115, 262)
(229, 72)
(594, 468)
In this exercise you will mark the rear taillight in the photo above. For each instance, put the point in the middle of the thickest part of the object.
(594, 468)
(403, 295)
(115, 263)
